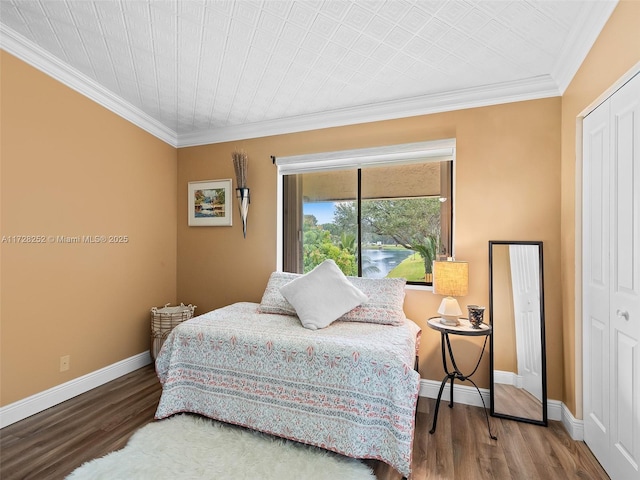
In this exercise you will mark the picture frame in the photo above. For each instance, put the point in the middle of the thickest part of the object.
(210, 203)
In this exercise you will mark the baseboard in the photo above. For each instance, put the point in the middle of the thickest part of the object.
(468, 395)
(21, 409)
(554, 410)
(507, 378)
(572, 425)
(463, 394)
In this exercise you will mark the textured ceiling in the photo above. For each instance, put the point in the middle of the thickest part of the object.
(197, 71)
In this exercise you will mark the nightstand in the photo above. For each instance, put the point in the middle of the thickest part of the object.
(465, 329)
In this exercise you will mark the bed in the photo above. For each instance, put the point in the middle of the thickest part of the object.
(350, 387)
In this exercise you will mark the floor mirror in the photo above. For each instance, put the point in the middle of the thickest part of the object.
(516, 313)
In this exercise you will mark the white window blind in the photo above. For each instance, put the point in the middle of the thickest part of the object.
(437, 150)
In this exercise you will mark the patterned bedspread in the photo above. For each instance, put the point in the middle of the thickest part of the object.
(350, 388)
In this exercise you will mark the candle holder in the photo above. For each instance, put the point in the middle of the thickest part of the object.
(476, 314)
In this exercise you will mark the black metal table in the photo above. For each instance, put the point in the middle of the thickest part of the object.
(466, 329)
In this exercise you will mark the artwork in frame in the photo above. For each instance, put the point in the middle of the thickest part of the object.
(210, 203)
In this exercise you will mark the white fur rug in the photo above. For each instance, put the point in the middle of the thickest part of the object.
(192, 447)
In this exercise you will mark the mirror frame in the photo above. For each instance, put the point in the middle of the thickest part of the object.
(544, 421)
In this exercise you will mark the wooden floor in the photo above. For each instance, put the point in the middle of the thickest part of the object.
(517, 402)
(51, 444)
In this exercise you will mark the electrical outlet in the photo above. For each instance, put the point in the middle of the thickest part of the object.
(65, 362)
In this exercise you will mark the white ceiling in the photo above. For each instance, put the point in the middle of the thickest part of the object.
(203, 71)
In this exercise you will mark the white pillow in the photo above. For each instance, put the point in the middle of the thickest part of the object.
(322, 295)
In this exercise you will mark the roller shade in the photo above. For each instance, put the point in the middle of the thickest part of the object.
(433, 151)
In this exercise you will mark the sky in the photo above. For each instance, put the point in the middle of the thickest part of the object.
(323, 211)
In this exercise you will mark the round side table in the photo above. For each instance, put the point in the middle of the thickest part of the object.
(465, 329)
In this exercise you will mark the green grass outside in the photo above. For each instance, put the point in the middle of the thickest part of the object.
(384, 247)
(411, 268)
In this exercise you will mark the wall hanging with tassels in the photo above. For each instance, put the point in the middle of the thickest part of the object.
(241, 166)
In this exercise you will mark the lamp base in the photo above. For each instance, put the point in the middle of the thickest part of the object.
(450, 321)
(449, 312)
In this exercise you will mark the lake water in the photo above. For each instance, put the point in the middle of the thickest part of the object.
(384, 260)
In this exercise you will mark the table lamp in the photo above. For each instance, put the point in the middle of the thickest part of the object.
(450, 278)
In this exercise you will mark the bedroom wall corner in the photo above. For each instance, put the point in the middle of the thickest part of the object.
(88, 221)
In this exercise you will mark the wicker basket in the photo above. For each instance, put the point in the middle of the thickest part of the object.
(163, 320)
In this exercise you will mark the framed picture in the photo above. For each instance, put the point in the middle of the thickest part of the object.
(210, 203)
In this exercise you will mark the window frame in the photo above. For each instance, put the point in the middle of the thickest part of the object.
(418, 152)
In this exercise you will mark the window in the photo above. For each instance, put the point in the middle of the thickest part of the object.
(384, 212)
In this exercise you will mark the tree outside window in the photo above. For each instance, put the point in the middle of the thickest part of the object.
(401, 229)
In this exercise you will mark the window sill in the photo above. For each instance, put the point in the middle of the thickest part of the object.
(426, 288)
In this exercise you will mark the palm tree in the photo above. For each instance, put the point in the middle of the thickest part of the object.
(427, 251)
(348, 242)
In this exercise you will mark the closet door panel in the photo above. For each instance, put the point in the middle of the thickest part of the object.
(624, 189)
(598, 412)
(623, 431)
(625, 285)
(596, 275)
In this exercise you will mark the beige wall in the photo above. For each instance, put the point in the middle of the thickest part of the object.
(508, 188)
(504, 337)
(616, 50)
(71, 167)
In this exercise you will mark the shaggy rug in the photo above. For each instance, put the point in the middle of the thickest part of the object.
(192, 447)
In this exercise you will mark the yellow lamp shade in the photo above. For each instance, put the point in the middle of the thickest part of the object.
(451, 278)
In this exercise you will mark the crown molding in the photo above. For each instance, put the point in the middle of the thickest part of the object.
(576, 49)
(29, 52)
(514, 91)
(506, 92)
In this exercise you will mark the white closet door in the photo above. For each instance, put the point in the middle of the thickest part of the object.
(595, 288)
(525, 272)
(624, 304)
(611, 282)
